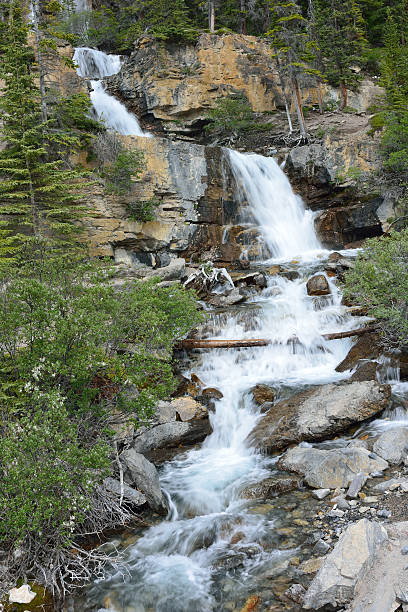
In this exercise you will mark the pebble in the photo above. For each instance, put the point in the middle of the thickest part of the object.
(404, 550)
(353, 503)
(384, 513)
(356, 485)
(342, 503)
(363, 509)
(376, 474)
(320, 493)
(321, 548)
(336, 513)
(371, 499)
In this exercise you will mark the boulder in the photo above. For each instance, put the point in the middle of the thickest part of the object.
(188, 409)
(318, 285)
(367, 347)
(336, 581)
(329, 469)
(233, 297)
(263, 394)
(131, 495)
(143, 475)
(392, 445)
(174, 434)
(318, 413)
(270, 487)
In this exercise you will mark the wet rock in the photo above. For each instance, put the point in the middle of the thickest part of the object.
(296, 592)
(131, 495)
(318, 413)
(254, 278)
(365, 370)
(270, 487)
(321, 548)
(329, 468)
(233, 297)
(367, 347)
(143, 475)
(392, 445)
(311, 566)
(212, 393)
(356, 485)
(229, 561)
(336, 580)
(171, 434)
(318, 285)
(320, 493)
(263, 394)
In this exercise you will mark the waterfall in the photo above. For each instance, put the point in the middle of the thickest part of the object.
(173, 566)
(288, 228)
(96, 65)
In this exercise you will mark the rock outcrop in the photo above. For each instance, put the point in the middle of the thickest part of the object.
(329, 469)
(318, 413)
(336, 581)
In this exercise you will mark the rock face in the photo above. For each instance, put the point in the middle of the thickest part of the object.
(318, 413)
(392, 445)
(337, 579)
(329, 469)
(143, 475)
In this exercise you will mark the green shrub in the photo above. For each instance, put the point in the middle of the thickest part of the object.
(379, 282)
(232, 113)
(142, 210)
(377, 123)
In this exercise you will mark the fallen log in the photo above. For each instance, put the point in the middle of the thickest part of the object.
(190, 344)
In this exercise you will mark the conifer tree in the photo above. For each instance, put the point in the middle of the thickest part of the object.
(38, 189)
(340, 37)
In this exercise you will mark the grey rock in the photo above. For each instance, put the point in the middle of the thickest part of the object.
(358, 443)
(376, 474)
(384, 513)
(165, 412)
(392, 445)
(392, 483)
(318, 285)
(336, 513)
(171, 434)
(356, 485)
(345, 566)
(329, 469)
(321, 548)
(318, 413)
(296, 593)
(320, 493)
(129, 494)
(233, 297)
(144, 476)
(404, 550)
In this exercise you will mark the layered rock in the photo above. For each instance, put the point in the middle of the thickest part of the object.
(318, 413)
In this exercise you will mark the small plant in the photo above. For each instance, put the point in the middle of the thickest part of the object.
(320, 132)
(142, 210)
(119, 167)
(331, 106)
(350, 110)
(377, 123)
(230, 114)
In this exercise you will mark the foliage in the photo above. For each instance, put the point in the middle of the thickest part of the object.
(72, 350)
(230, 114)
(121, 175)
(379, 282)
(142, 210)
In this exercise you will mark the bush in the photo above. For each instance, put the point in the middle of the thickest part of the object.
(142, 210)
(379, 282)
(65, 365)
(394, 145)
(230, 114)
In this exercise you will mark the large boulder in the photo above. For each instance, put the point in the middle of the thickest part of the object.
(318, 285)
(131, 495)
(318, 413)
(392, 445)
(336, 581)
(329, 469)
(366, 348)
(140, 473)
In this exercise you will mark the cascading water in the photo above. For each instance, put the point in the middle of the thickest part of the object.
(287, 228)
(96, 65)
(176, 564)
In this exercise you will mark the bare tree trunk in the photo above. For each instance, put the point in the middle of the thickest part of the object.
(285, 97)
(41, 69)
(211, 16)
(319, 93)
(243, 17)
(298, 103)
(343, 88)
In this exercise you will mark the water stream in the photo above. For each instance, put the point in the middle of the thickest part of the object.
(211, 533)
(96, 65)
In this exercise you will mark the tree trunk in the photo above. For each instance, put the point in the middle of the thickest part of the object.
(285, 97)
(190, 343)
(343, 95)
(41, 68)
(211, 16)
(319, 93)
(243, 17)
(298, 103)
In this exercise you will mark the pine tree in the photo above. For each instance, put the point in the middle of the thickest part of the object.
(340, 37)
(38, 190)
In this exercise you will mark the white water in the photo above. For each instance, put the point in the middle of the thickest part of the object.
(96, 65)
(288, 228)
(174, 565)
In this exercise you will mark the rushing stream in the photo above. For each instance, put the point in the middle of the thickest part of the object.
(215, 547)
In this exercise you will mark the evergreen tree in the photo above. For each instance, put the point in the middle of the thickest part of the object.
(165, 20)
(340, 32)
(38, 189)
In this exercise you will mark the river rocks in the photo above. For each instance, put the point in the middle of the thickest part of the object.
(318, 413)
(160, 442)
(187, 409)
(131, 495)
(366, 348)
(336, 581)
(317, 285)
(234, 296)
(270, 487)
(143, 475)
(263, 394)
(329, 469)
(392, 445)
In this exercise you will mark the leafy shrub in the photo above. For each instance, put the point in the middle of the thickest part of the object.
(377, 123)
(142, 210)
(232, 113)
(379, 282)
